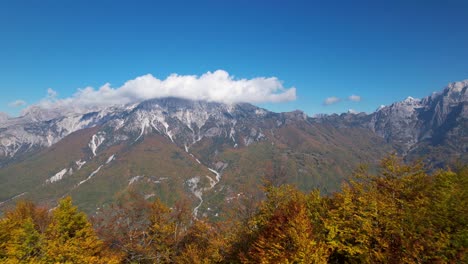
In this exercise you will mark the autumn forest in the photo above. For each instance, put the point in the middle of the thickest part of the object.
(397, 214)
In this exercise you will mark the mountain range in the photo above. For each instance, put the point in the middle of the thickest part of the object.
(212, 154)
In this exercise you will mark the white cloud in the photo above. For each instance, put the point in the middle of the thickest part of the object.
(354, 98)
(17, 103)
(216, 86)
(331, 100)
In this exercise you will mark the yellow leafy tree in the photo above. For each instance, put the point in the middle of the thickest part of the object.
(70, 238)
(161, 233)
(21, 232)
(141, 231)
(201, 244)
(282, 231)
(400, 215)
(23, 247)
(448, 212)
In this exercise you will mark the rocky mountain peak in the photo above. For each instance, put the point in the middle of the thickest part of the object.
(38, 113)
(456, 92)
(407, 105)
(186, 122)
(411, 100)
(433, 118)
(380, 108)
(296, 115)
(458, 87)
(193, 144)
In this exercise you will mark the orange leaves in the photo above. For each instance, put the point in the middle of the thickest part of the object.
(282, 231)
(399, 215)
(202, 243)
(29, 234)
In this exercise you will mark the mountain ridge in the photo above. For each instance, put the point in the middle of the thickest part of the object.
(56, 125)
(211, 153)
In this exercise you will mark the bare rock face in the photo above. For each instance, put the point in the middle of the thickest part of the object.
(184, 122)
(434, 128)
(398, 122)
(436, 119)
(213, 152)
(33, 131)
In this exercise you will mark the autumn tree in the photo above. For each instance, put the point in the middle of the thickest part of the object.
(143, 231)
(389, 217)
(448, 213)
(70, 238)
(201, 244)
(397, 214)
(21, 232)
(282, 231)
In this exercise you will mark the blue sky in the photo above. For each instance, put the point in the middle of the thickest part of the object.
(381, 51)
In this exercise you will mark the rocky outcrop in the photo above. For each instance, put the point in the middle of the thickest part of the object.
(433, 118)
(436, 119)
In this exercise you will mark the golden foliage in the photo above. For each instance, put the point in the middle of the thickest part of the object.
(400, 214)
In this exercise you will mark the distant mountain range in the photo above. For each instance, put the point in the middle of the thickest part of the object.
(213, 153)
(434, 128)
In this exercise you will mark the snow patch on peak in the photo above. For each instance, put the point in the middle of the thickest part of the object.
(169, 134)
(134, 179)
(260, 112)
(58, 176)
(188, 117)
(162, 120)
(90, 176)
(410, 99)
(111, 158)
(457, 86)
(380, 108)
(144, 123)
(80, 163)
(130, 107)
(96, 141)
(231, 135)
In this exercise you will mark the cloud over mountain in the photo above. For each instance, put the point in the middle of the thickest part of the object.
(354, 98)
(17, 103)
(216, 86)
(331, 100)
(334, 100)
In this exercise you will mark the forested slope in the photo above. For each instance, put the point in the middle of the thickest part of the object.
(400, 214)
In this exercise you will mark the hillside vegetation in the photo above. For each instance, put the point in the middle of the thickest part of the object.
(399, 214)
